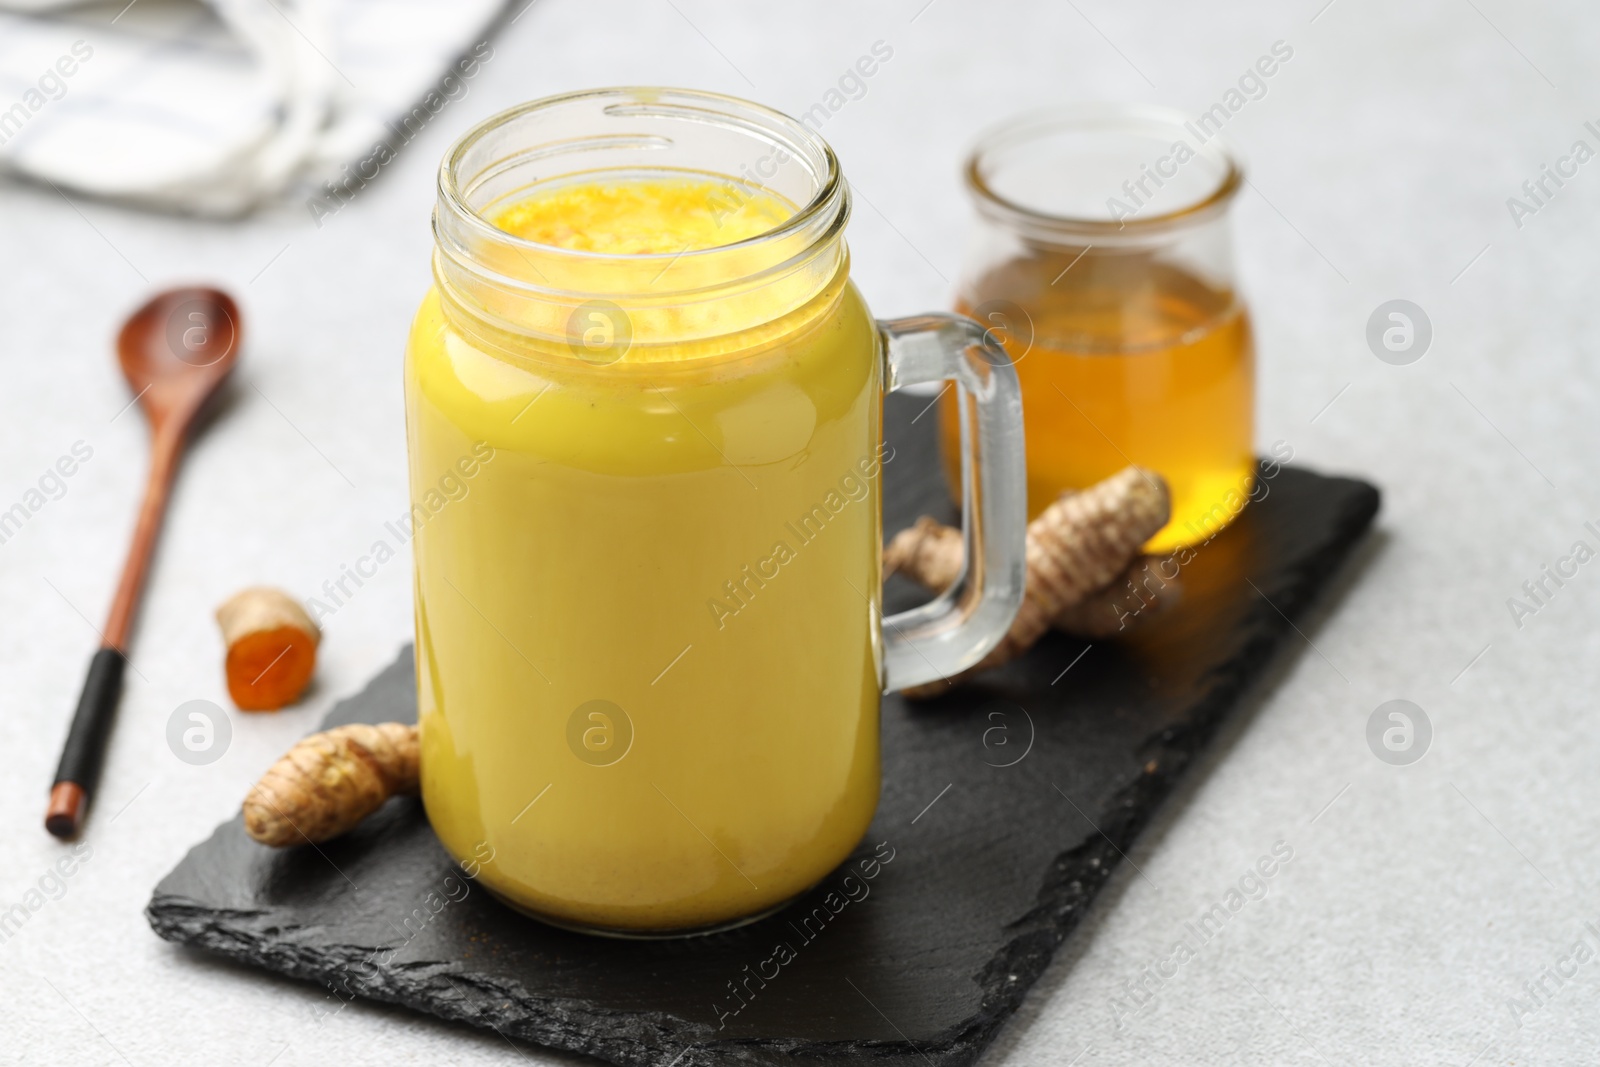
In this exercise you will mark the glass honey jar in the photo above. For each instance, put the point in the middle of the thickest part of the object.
(1102, 261)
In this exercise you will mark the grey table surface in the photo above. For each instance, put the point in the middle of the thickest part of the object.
(1420, 899)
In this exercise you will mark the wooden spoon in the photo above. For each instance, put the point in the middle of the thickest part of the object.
(175, 351)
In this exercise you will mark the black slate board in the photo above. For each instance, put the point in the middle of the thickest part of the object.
(992, 865)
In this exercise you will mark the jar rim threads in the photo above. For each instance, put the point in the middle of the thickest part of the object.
(1148, 146)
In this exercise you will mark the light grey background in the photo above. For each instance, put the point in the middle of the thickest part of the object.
(1419, 899)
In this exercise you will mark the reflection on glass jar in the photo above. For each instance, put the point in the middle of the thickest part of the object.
(1102, 262)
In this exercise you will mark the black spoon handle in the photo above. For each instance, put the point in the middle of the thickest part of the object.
(84, 752)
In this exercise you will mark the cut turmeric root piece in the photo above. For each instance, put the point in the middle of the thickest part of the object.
(272, 648)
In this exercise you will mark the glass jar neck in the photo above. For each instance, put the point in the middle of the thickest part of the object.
(547, 295)
(1102, 205)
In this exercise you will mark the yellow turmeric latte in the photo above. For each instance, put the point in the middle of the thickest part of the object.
(647, 575)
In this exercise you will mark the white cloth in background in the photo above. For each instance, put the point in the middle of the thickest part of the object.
(214, 108)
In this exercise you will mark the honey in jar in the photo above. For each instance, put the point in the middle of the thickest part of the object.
(1129, 339)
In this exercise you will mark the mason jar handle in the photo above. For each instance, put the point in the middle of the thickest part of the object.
(957, 629)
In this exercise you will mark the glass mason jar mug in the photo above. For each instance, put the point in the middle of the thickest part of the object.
(645, 478)
(1102, 261)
